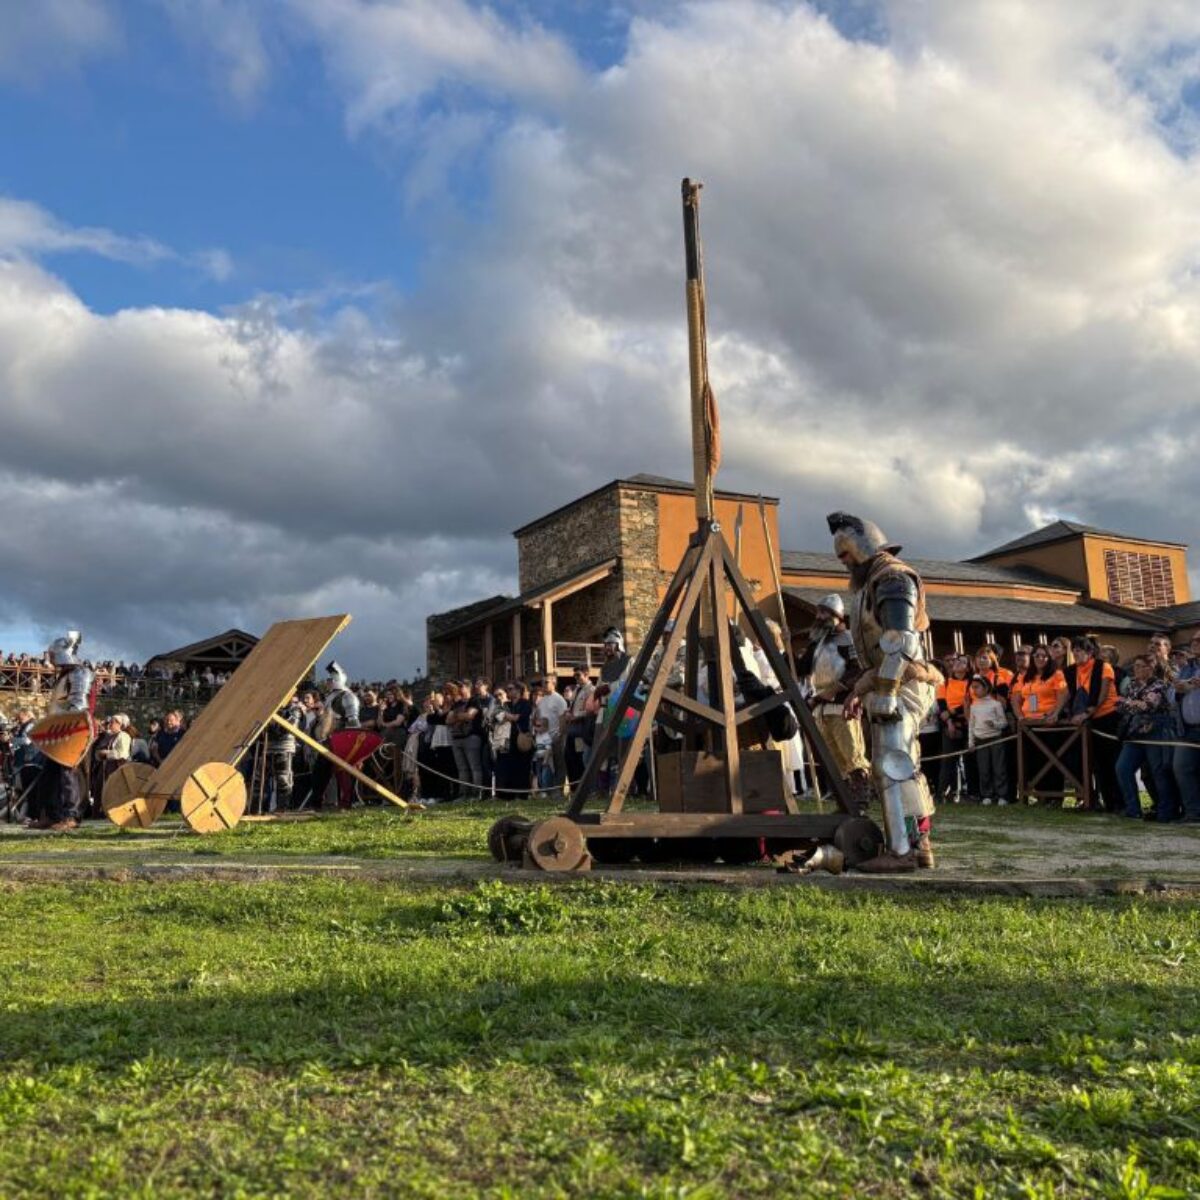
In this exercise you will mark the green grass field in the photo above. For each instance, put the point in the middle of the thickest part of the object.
(318, 1038)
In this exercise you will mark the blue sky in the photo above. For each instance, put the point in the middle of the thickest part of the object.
(144, 142)
(421, 264)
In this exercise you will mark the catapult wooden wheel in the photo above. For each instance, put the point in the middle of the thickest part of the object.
(213, 798)
(557, 844)
(126, 800)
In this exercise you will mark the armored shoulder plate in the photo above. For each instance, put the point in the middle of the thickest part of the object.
(896, 585)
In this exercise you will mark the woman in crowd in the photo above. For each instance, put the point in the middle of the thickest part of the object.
(1022, 664)
(1040, 701)
(999, 679)
(394, 716)
(1111, 655)
(952, 712)
(1093, 702)
(514, 767)
(987, 666)
(1060, 655)
(1146, 716)
(439, 775)
(109, 751)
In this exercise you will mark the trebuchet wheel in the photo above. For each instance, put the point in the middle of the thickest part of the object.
(507, 837)
(213, 797)
(125, 800)
(859, 839)
(557, 844)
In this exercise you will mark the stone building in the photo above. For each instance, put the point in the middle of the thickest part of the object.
(602, 560)
(1063, 579)
(606, 559)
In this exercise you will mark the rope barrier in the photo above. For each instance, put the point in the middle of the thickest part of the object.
(1012, 737)
(412, 762)
(1112, 737)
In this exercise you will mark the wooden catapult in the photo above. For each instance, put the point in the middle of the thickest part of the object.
(202, 771)
(729, 816)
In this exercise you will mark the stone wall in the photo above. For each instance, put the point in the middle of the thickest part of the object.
(585, 533)
(139, 710)
(584, 616)
(642, 579)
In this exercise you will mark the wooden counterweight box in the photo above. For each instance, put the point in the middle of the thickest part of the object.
(694, 782)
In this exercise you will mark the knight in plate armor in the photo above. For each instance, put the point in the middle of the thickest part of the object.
(831, 664)
(60, 796)
(341, 704)
(896, 689)
(341, 713)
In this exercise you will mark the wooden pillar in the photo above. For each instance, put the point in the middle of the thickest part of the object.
(462, 655)
(548, 666)
(518, 669)
(488, 651)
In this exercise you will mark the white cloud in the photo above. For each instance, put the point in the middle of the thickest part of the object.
(387, 56)
(232, 33)
(43, 37)
(952, 283)
(28, 229)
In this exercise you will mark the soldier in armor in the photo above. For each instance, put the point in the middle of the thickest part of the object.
(281, 753)
(341, 704)
(831, 664)
(896, 688)
(341, 712)
(60, 796)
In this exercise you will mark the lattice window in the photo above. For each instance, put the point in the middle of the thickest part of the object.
(1139, 580)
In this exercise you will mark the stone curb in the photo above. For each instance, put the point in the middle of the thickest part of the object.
(448, 872)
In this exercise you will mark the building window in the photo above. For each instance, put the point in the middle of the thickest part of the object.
(1139, 580)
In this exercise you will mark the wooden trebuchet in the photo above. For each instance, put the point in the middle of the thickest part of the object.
(695, 607)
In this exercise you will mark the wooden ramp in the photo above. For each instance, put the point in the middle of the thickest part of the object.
(237, 714)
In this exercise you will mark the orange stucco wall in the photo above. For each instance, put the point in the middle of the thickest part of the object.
(1062, 559)
(677, 523)
(1095, 547)
(840, 583)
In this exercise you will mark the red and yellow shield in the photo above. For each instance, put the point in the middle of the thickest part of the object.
(64, 737)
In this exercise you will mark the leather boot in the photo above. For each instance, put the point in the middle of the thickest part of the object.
(887, 863)
(924, 852)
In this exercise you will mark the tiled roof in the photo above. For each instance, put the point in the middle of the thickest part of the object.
(986, 610)
(932, 569)
(1180, 614)
(457, 620)
(1057, 531)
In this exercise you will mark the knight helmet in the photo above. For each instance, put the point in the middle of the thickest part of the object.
(336, 679)
(62, 649)
(862, 539)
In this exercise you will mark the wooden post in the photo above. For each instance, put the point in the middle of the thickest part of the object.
(548, 664)
(518, 670)
(697, 350)
(489, 652)
(783, 621)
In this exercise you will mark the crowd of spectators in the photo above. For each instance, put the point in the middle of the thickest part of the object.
(1141, 720)
(118, 741)
(115, 679)
(466, 738)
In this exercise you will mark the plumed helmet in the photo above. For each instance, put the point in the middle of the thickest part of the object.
(833, 603)
(335, 678)
(614, 637)
(863, 539)
(62, 649)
